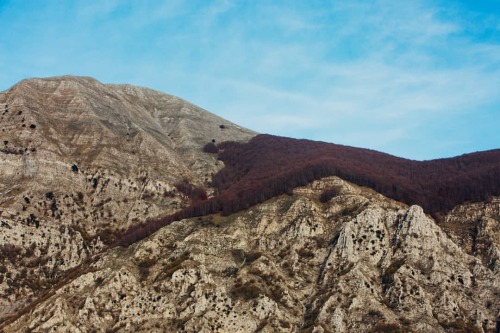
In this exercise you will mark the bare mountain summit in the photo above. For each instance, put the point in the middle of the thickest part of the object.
(71, 135)
(80, 159)
(261, 234)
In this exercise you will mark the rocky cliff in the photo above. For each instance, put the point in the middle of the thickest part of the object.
(358, 263)
(81, 160)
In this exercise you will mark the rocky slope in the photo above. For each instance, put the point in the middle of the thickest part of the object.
(476, 228)
(80, 160)
(358, 263)
(67, 135)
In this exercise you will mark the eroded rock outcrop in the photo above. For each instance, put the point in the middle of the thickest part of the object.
(80, 160)
(360, 262)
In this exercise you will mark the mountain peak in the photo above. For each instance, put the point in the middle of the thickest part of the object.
(124, 132)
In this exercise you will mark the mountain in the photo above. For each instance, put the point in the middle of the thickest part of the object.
(71, 135)
(127, 209)
(80, 159)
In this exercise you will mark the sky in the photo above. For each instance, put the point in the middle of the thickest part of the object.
(417, 79)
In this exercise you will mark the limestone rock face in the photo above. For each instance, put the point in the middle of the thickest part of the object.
(476, 228)
(80, 159)
(91, 146)
(358, 263)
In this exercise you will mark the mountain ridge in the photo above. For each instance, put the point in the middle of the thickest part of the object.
(246, 232)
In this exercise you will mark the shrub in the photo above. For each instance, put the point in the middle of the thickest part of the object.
(305, 253)
(10, 252)
(32, 219)
(193, 192)
(12, 151)
(329, 193)
(210, 148)
(144, 267)
(247, 291)
(252, 256)
(460, 326)
(171, 267)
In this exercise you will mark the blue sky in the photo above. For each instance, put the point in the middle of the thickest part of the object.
(417, 79)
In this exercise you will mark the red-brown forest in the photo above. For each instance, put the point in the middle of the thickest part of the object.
(268, 166)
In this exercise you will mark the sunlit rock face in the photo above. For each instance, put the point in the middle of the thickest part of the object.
(357, 263)
(79, 160)
(71, 135)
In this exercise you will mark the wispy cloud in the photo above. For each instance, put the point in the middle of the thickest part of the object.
(398, 69)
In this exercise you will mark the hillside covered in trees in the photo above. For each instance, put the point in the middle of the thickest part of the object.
(268, 166)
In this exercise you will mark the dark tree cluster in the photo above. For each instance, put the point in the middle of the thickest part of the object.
(10, 252)
(13, 151)
(193, 192)
(268, 166)
(33, 219)
(211, 148)
(329, 193)
(140, 231)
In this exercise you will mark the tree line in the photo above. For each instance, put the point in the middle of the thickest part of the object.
(268, 166)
